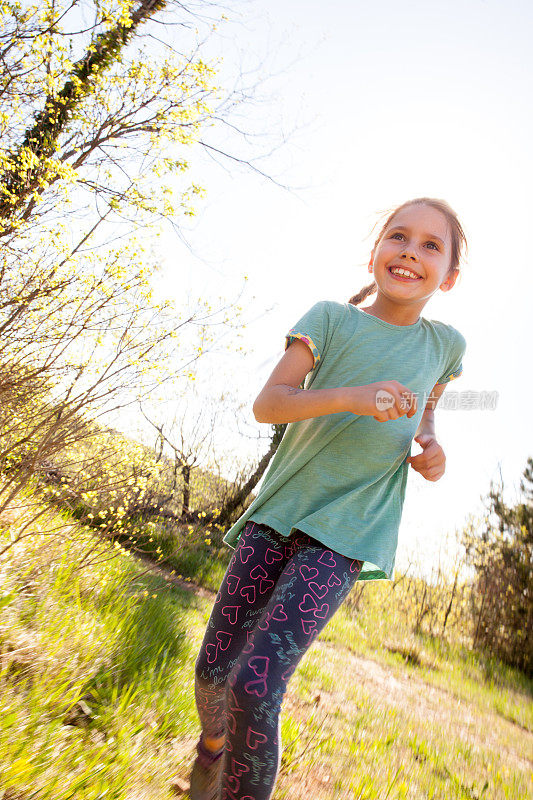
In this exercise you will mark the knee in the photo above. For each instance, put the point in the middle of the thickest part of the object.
(249, 682)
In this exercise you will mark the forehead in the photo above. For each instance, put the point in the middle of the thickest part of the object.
(423, 219)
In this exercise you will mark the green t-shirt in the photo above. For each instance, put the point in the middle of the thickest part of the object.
(341, 478)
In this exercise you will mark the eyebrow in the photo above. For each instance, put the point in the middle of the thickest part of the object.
(427, 235)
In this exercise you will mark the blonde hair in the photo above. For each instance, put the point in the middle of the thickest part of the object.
(458, 238)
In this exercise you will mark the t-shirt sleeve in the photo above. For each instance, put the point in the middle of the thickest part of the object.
(312, 329)
(455, 362)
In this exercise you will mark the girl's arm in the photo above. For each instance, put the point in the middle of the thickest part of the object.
(427, 422)
(431, 462)
(283, 400)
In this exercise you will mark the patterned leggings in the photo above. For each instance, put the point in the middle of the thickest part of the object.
(278, 593)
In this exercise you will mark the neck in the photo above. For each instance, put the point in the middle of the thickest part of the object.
(394, 313)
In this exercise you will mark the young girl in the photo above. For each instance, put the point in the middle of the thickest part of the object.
(356, 385)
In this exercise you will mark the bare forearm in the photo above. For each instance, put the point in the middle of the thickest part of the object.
(282, 403)
(426, 424)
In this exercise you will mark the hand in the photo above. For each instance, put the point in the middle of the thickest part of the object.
(383, 400)
(432, 461)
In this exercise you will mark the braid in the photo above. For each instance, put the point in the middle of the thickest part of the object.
(363, 294)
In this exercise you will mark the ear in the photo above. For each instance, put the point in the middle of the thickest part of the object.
(449, 282)
(371, 262)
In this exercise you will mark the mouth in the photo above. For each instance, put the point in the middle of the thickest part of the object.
(404, 274)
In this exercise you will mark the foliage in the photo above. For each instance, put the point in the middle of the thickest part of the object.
(502, 556)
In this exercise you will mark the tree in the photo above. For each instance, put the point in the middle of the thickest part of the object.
(502, 556)
(114, 110)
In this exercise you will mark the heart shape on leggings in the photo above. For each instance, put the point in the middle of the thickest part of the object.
(211, 651)
(333, 580)
(231, 613)
(278, 613)
(232, 583)
(356, 565)
(248, 647)
(254, 738)
(288, 552)
(290, 569)
(246, 552)
(308, 573)
(238, 768)
(258, 571)
(308, 603)
(327, 559)
(233, 783)
(322, 611)
(259, 665)
(249, 593)
(224, 639)
(265, 585)
(308, 625)
(272, 555)
(258, 687)
(320, 590)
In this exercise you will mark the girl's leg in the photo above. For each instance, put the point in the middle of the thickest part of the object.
(256, 564)
(309, 591)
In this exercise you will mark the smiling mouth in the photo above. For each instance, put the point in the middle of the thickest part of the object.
(402, 276)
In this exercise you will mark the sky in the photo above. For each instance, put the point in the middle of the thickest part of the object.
(367, 105)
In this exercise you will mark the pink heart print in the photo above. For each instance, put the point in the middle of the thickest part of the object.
(231, 613)
(265, 585)
(232, 582)
(246, 552)
(333, 580)
(308, 573)
(274, 556)
(258, 571)
(355, 565)
(308, 603)
(238, 768)
(223, 642)
(258, 687)
(308, 625)
(322, 611)
(254, 738)
(259, 665)
(278, 613)
(327, 559)
(320, 591)
(290, 569)
(224, 639)
(249, 593)
(212, 651)
(233, 783)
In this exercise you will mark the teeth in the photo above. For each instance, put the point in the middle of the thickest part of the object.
(401, 271)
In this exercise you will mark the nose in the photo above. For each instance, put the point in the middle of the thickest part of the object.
(410, 254)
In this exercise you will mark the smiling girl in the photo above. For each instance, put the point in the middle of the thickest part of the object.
(357, 385)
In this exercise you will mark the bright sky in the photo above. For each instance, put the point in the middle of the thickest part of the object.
(391, 101)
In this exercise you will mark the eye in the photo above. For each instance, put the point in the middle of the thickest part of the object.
(434, 245)
(396, 234)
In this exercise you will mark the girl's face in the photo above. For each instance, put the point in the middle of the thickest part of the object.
(418, 240)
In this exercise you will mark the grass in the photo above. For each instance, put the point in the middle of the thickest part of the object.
(97, 691)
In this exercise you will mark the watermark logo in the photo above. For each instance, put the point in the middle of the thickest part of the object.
(384, 400)
(466, 400)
